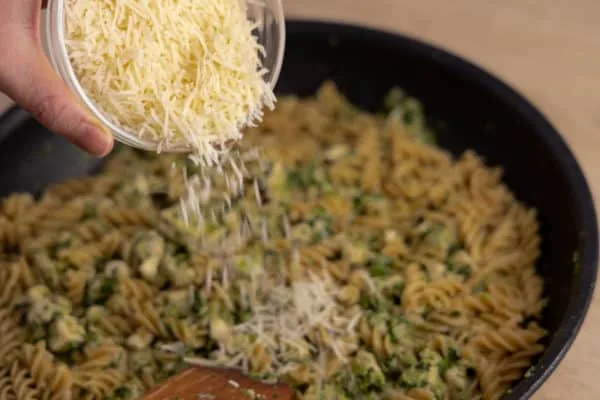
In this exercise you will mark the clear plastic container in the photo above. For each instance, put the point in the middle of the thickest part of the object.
(268, 14)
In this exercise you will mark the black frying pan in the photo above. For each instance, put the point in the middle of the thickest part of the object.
(467, 107)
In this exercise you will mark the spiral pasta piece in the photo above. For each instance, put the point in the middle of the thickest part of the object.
(11, 337)
(507, 340)
(13, 235)
(6, 389)
(23, 384)
(136, 289)
(53, 380)
(10, 283)
(75, 285)
(146, 316)
(412, 394)
(97, 383)
(114, 325)
(125, 216)
(376, 337)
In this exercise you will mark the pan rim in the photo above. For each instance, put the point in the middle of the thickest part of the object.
(584, 282)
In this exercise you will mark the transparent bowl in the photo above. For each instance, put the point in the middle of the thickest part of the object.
(267, 14)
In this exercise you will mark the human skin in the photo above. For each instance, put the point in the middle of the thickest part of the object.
(28, 78)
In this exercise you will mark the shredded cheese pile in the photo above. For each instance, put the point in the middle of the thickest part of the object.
(286, 317)
(176, 72)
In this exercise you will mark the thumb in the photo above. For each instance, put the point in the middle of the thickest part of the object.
(34, 86)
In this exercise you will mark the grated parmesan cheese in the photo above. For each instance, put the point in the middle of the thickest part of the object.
(284, 319)
(181, 73)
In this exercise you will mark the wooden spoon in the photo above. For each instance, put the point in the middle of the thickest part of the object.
(202, 383)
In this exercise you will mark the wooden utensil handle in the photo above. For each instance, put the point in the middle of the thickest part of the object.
(201, 383)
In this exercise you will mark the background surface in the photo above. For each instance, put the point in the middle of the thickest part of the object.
(548, 50)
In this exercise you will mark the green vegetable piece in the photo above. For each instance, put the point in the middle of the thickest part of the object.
(448, 361)
(413, 377)
(100, 289)
(66, 334)
(394, 98)
(367, 372)
(380, 266)
(428, 137)
(123, 392)
(375, 304)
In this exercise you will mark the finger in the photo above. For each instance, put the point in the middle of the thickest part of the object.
(20, 14)
(34, 86)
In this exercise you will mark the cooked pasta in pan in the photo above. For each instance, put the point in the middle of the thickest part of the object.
(360, 261)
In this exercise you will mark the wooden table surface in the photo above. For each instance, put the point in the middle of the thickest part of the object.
(550, 51)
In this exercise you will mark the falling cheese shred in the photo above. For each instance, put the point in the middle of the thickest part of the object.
(283, 321)
(179, 73)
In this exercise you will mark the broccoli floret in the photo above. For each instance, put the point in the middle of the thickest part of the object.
(456, 262)
(337, 151)
(123, 392)
(63, 241)
(277, 178)
(179, 274)
(149, 269)
(66, 334)
(128, 391)
(241, 315)
(429, 357)
(322, 224)
(373, 303)
(306, 176)
(413, 377)
(302, 233)
(327, 392)
(117, 269)
(96, 313)
(394, 97)
(448, 361)
(199, 307)
(380, 266)
(441, 236)
(248, 264)
(177, 303)
(369, 203)
(42, 307)
(367, 373)
(100, 289)
(138, 360)
(89, 210)
(356, 252)
(147, 251)
(456, 377)
(141, 339)
(463, 270)
(219, 329)
(362, 378)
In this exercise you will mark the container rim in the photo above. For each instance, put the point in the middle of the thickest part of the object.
(59, 58)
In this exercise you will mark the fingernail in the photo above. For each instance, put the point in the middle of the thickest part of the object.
(96, 139)
(101, 126)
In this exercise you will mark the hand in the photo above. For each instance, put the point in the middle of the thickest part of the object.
(28, 78)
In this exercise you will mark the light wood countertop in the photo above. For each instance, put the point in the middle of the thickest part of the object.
(548, 50)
